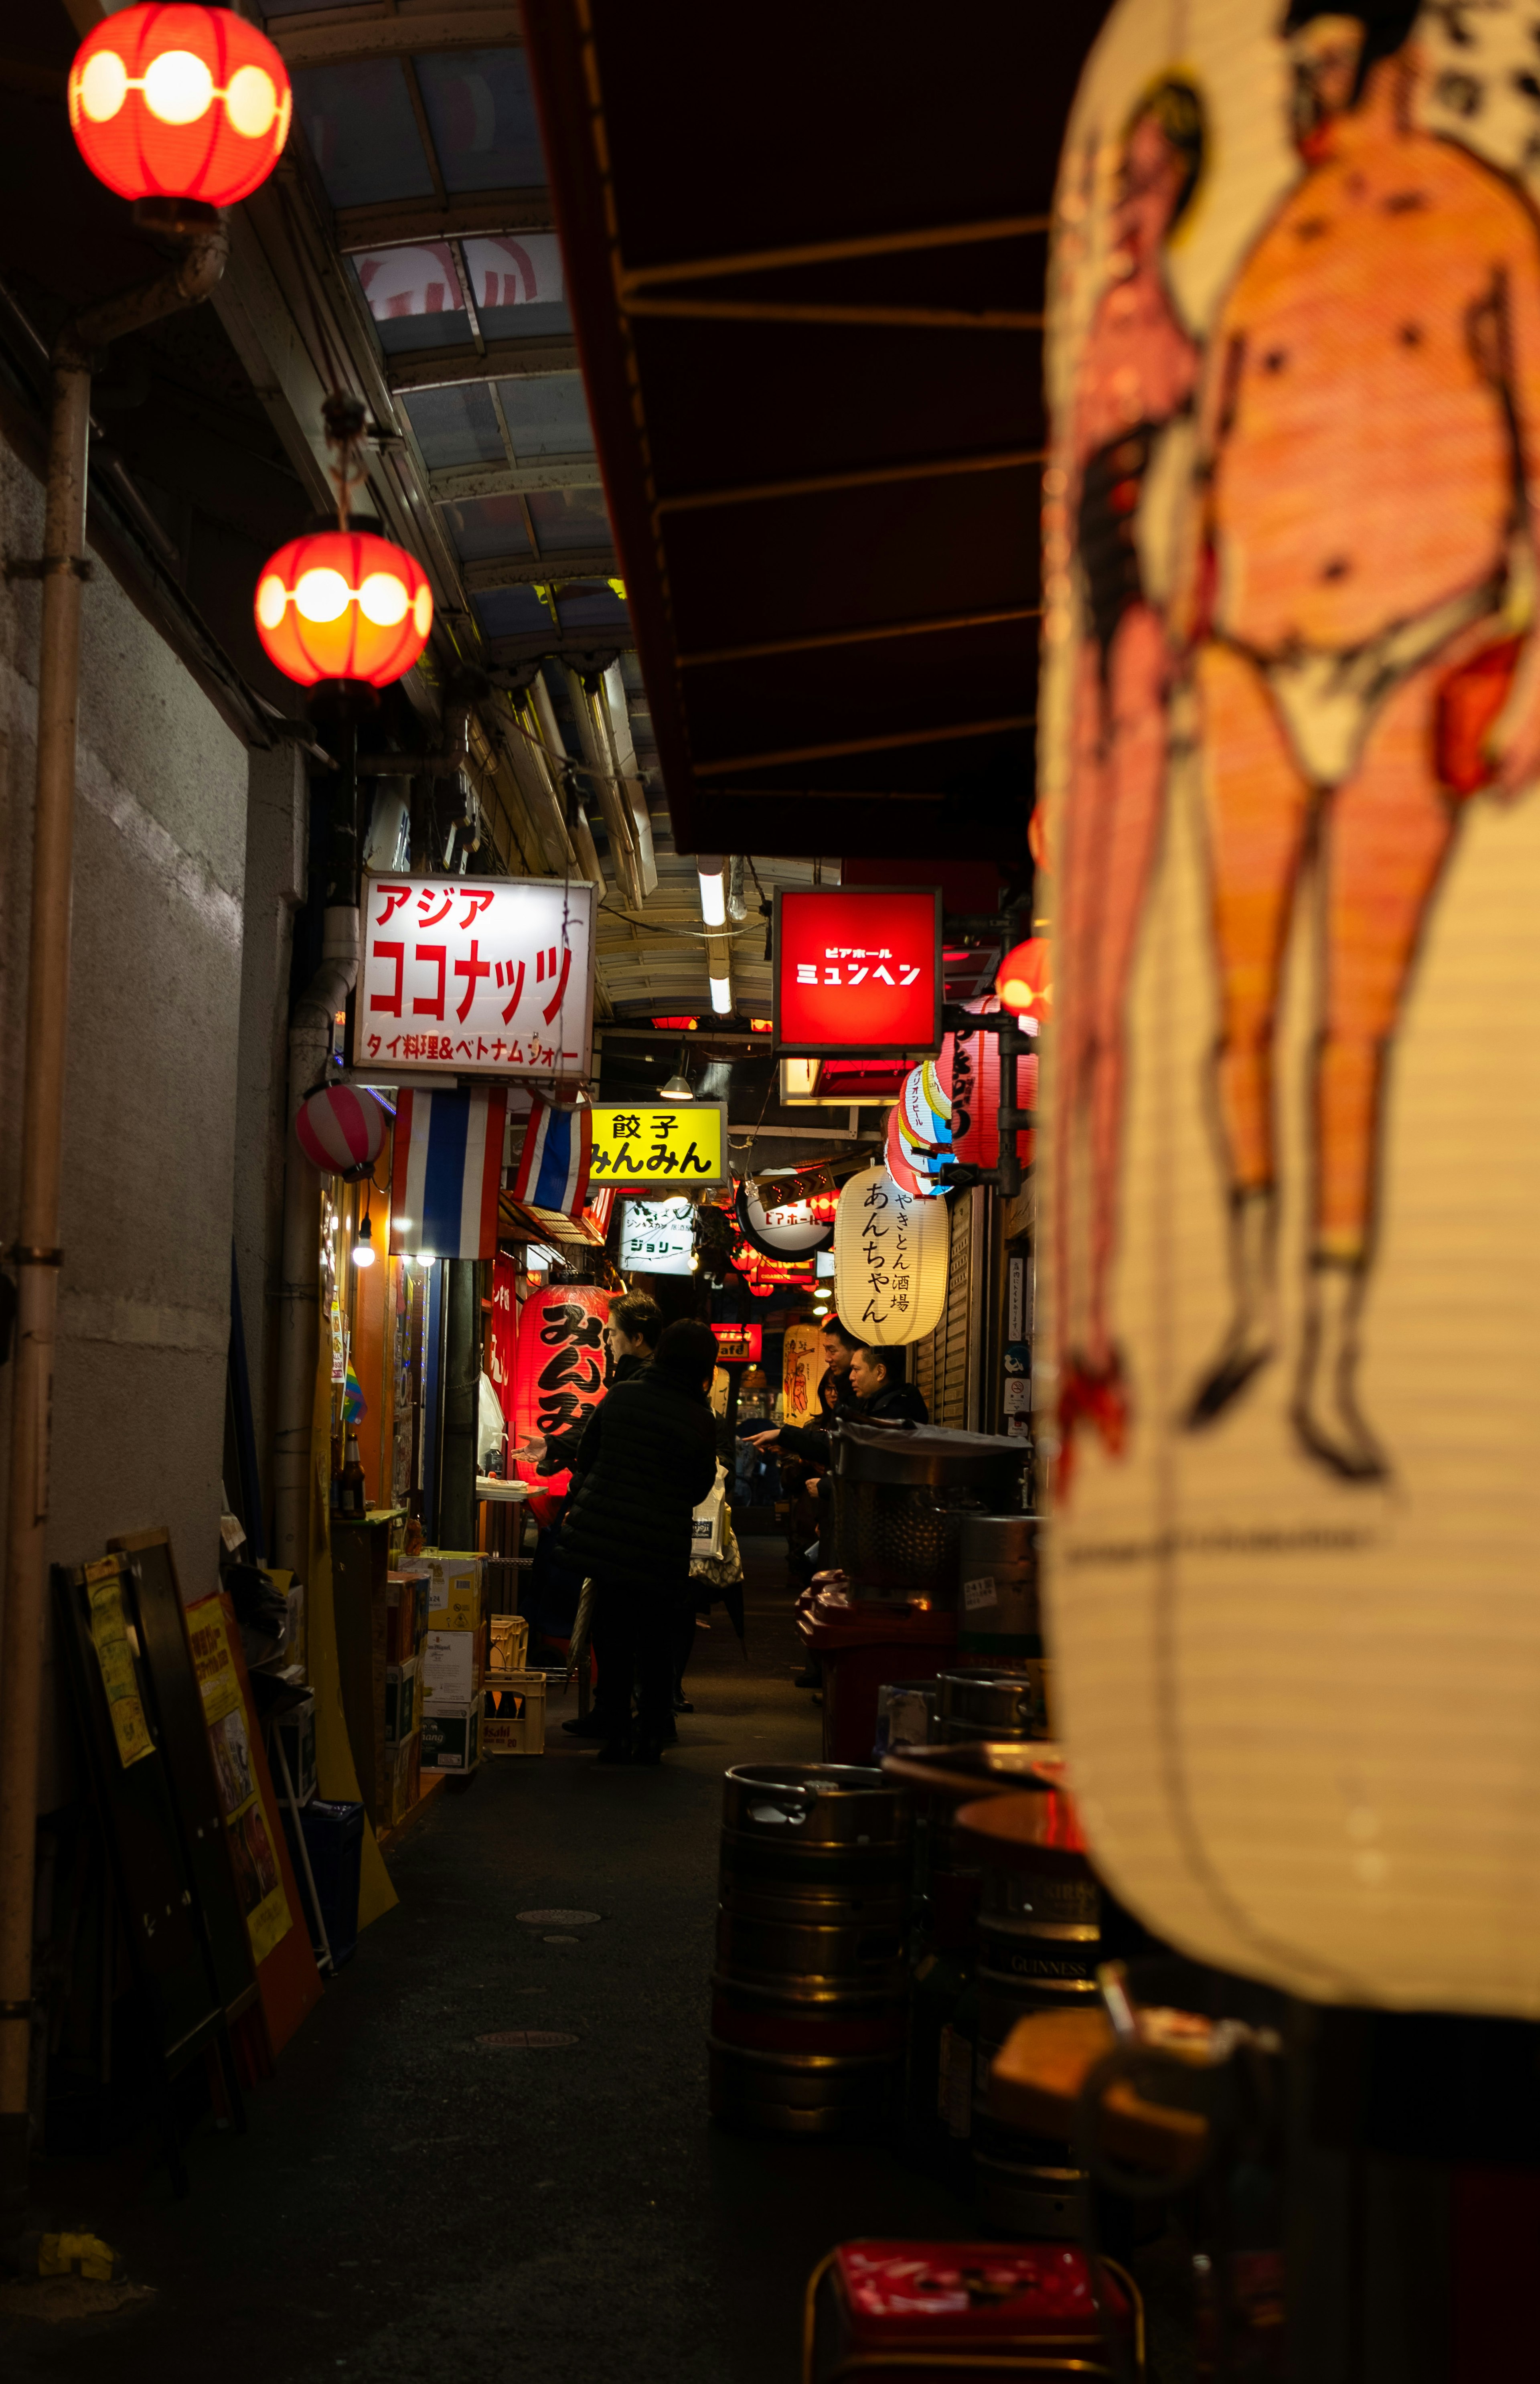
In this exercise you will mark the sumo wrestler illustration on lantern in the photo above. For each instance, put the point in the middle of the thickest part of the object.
(1137, 371)
(1365, 529)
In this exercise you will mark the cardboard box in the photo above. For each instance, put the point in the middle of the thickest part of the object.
(452, 1737)
(405, 1613)
(451, 1668)
(453, 1590)
(513, 1714)
(403, 1778)
(510, 1645)
(403, 1701)
(297, 1731)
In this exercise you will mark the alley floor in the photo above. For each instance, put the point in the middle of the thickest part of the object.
(410, 2207)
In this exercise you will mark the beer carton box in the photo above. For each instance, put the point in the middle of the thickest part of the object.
(451, 1668)
(403, 1699)
(453, 1590)
(452, 1737)
(513, 1714)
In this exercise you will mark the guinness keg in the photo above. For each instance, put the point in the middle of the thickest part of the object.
(809, 2005)
(997, 1614)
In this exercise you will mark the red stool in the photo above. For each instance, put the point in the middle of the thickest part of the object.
(885, 2312)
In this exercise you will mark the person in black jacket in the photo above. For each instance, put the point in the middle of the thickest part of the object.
(653, 1458)
(881, 1397)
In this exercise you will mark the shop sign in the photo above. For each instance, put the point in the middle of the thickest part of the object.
(660, 1142)
(893, 1254)
(501, 1339)
(558, 1373)
(794, 1232)
(737, 1343)
(858, 970)
(657, 1237)
(462, 979)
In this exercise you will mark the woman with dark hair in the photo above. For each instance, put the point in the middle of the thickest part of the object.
(652, 1460)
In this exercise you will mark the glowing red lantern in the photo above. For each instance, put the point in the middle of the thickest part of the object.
(180, 101)
(1024, 983)
(343, 604)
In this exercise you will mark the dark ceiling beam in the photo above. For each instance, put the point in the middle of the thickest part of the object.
(528, 570)
(830, 252)
(343, 36)
(401, 223)
(578, 646)
(500, 360)
(868, 633)
(822, 484)
(794, 756)
(787, 310)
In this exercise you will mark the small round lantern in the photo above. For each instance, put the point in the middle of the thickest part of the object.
(343, 604)
(1024, 983)
(180, 101)
(341, 1130)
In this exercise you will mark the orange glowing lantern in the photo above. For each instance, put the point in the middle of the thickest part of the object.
(180, 101)
(343, 604)
(1024, 983)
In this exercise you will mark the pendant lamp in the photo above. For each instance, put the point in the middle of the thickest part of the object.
(342, 607)
(1289, 1247)
(180, 103)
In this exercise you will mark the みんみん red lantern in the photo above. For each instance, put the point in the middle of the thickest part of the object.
(180, 101)
(1024, 983)
(343, 604)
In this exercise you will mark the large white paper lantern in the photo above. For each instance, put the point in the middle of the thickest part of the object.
(1292, 1228)
(891, 1252)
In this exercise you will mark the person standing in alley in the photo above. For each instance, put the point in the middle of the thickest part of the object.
(652, 1460)
(882, 1396)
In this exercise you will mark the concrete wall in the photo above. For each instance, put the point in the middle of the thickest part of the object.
(151, 1095)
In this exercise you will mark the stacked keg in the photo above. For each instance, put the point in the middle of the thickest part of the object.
(809, 2004)
(1039, 1941)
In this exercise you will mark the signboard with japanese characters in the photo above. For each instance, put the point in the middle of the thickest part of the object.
(676, 1143)
(461, 977)
(891, 1253)
(740, 1343)
(558, 1376)
(657, 1237)
(858, 970)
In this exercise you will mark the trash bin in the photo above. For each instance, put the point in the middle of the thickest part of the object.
(862, 1648)
(334, 1841)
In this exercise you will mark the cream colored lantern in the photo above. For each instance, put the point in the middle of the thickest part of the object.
(1290, 738)
(891, 1252)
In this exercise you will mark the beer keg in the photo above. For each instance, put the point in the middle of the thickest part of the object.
(989, 1702)
(998, 1618)
(810, 1995)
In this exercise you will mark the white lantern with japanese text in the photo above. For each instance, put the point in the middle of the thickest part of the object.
(1289, 1235)
(891, 1254)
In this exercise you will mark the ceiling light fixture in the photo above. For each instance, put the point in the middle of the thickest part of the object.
(721, 995)
(711, 867)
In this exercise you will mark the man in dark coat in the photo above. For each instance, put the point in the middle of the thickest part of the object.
(881, 1397)
(653, 1461)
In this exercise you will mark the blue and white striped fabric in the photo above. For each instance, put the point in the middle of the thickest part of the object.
(447, 1172)
(554, 1168)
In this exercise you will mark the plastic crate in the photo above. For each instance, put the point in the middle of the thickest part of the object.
(513, 1714)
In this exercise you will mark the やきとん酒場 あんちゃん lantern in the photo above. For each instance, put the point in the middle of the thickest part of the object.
(179, 102)
(343, 604)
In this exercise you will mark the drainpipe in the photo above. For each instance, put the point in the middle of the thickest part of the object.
(311, 1033)
(62, 569)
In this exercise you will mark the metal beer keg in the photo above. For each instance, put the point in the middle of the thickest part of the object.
(979, 1702)
(808, 2007)
(998, 1605)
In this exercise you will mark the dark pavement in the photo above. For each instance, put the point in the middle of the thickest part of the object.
(411, 2207)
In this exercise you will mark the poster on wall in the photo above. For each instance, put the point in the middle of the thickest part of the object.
(461, 979)
(558, 1373)
(1289, 755)
(801, 1371)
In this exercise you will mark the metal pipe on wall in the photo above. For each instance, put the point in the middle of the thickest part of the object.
(550, 730)
(63, 569)
(611, 800)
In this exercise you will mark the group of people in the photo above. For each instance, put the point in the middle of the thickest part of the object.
(641, 1462)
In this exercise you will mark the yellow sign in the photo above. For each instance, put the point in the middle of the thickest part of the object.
(682, 1144)
(110, 1637)
(259, 1881)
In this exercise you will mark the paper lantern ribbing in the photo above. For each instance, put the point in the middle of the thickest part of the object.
(1294, 1122)
(915, 1167)
(893, 1253)
(341, 1130)
(343, 604)
(180, 101)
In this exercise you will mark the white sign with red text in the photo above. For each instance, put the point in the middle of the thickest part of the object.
(470, 976)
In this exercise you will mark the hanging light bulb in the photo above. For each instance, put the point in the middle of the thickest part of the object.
(363, 1248)
(679, 1087)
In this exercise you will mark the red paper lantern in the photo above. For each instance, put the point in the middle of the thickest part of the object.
(1025, 982)
(343, 604)
(180, 101)
(558, 1371)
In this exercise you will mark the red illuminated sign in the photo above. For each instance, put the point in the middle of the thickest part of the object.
(858, 969)
(739, 1343)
